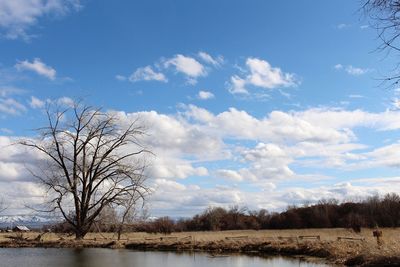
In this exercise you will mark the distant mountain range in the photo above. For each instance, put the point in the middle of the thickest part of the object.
(31, 221)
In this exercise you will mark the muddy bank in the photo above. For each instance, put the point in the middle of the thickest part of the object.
(60, 244)
(342, 253)
(337, 252)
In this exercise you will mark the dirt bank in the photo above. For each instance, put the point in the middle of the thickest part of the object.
(348, 249)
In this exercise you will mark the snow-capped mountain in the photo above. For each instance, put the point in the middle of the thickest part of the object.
(32, 221)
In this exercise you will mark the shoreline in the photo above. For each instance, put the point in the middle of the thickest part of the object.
(330, 251)
(308, 251)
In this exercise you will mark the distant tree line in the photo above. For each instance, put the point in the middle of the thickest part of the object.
(374, 211)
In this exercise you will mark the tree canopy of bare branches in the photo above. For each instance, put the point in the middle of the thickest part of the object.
(385, 17)
(89, 161)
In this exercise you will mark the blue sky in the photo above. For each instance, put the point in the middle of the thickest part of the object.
(257, 103)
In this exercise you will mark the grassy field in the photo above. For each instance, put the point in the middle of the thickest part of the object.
(391, 236)
(362, 244)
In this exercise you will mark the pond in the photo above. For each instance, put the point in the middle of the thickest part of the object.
(94, 257)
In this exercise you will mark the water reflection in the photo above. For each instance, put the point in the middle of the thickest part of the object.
(91, 257)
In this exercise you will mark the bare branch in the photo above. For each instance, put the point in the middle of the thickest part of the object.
(385, 18)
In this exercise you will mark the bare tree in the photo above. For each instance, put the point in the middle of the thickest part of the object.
(127, 214)
(117, 218)
(385, 18)
(90, 161)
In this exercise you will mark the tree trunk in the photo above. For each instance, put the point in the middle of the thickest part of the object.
(80, 234)
(119, 231)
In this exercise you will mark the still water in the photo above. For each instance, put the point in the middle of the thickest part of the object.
(93, 257)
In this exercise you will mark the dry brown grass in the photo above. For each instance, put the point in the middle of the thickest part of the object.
(285, 241)
(391, 236)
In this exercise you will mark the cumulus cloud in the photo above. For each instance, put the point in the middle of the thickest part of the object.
(173, 135)
(37, 66)
(278, 126)
(146, 74)
(204, 95)
(11, 106)
(18, 16)
(388, 156)
(188, 66)
(263, 75)
(317, 138)
(65, 101)
(10, 90)
(177, 144)
(185, 200)
(233, 147)
(396, 103)
(36, 102)
(14, 160)
(166, 166)
(218, 61)
(229, 174)
(238, 85)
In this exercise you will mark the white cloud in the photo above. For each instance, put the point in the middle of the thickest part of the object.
(237, 86)
(188, 66)
(36, 102)
(278, 126)
(356, 96)
(218, 61)
(204, 95)
(396, 103)
(120, 77)
(17, 16)
(65, 101)
(10, 90)
(37, 66)
(317, 138)
(354, 71)
(338, 67)
(342, 26)
(323, 125)
(388, 156)
(230, 175)
(173, 135)
(11, 106)
(263, 75)
(184, 200)
(174, 140)
(346, 119)
(147, 74)
(262, 153)
(165, 166)
(268, 162)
